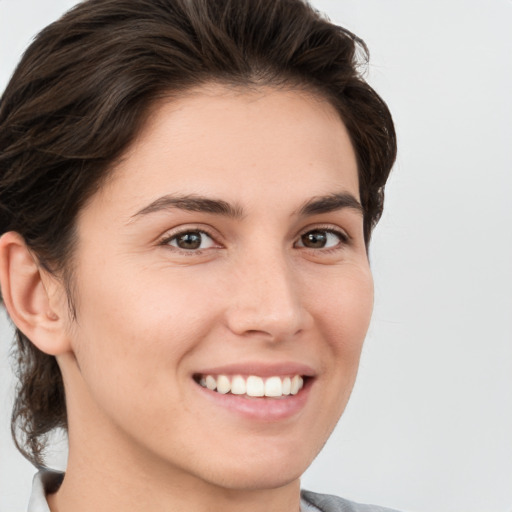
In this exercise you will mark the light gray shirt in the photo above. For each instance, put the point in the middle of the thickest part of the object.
(46, 481)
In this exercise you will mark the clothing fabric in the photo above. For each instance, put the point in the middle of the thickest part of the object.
(46, 481)
(314, 502)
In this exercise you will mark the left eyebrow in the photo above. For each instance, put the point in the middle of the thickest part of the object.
(331, 203)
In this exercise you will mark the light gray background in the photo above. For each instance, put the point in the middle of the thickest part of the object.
(429, 426)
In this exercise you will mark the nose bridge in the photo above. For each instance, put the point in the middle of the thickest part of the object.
(266, 296)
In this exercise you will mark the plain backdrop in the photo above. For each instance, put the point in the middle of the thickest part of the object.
(429, 425)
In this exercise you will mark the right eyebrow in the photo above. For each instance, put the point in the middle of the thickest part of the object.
(192, 203)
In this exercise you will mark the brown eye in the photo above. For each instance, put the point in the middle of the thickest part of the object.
(321, 239)
(191, 240)
(314, 239)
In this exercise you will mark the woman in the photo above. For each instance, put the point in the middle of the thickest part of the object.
(187, 194)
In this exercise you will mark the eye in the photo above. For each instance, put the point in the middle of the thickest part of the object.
(191, 240)
(321, 239)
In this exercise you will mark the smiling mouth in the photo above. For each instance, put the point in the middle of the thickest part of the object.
(252, 385)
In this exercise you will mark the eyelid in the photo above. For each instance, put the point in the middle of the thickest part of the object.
(330, 228)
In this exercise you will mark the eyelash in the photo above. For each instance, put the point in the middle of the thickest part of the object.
(343, 237)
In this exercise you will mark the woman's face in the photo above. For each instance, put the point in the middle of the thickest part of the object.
(227, 250)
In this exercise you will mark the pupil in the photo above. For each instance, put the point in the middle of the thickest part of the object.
(314, 239)
(189, 241)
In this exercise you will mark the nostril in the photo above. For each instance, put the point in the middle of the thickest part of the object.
(267, 323)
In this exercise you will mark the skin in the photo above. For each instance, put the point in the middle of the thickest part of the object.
(142, 434)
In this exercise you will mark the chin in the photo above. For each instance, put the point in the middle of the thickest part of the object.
(259, 480)
(268, 472)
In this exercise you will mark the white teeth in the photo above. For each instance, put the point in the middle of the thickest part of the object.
(253, 386)
(297, 384)
(211, 383)
(223, 384)
(287, 385)
(273, 387)
(238, 386)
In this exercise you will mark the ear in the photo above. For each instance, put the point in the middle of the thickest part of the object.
(34, 299)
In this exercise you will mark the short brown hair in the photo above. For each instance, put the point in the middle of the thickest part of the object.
(79, 97)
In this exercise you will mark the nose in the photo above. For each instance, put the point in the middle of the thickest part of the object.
(266, 299)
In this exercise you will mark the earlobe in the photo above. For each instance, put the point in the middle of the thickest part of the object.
(31, 297)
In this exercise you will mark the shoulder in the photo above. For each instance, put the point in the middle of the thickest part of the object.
(313, 502)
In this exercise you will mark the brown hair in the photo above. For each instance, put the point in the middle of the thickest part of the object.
(79, 96)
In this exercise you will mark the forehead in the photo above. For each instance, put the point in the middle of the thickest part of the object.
(233, 143)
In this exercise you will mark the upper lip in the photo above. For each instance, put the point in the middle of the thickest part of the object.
(261, 369)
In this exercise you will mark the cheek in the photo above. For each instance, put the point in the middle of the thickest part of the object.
(343, 315)
(146, 318)
(129, 342)
(345, 310)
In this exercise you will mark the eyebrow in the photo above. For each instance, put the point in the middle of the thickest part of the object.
(197, 203)
(331, 203)
(192, 203)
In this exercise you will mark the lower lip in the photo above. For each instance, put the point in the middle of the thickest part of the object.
(264, 409)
